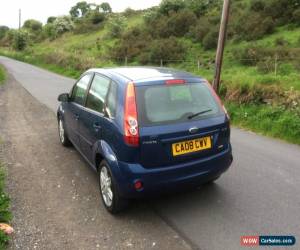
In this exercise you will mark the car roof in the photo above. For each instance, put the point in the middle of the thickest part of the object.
(144, 73)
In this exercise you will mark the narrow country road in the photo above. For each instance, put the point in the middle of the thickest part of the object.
(55, 199)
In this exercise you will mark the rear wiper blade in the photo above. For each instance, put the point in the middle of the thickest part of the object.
(200, 113)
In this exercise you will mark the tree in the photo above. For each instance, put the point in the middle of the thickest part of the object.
(105, 7)
(33, 25)
(3, 31)
(201, 7)
(96, 17)
(21, 39)
(210, 41)
(116, 26)
(296, 16)
(51, 19)
(80, 9)
(179, 23)
(62, 24)
(49, 31)
(168, 6)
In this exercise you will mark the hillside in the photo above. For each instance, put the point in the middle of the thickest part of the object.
(261, 68)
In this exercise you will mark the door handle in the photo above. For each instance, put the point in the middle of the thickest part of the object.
(97, 126)
(76, 116)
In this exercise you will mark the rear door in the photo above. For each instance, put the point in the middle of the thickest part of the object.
(74, 107)
(179, 123)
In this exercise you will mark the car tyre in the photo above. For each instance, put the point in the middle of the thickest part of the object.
(63, 137)
(110, 196)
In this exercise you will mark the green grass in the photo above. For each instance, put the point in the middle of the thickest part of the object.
(267, 120)
(5, 214)
(40, 63)
(2, 75)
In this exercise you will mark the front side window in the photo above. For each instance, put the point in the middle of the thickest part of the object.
(97, 93)
(80, 88)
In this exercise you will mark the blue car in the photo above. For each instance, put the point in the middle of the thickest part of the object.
(145, 130)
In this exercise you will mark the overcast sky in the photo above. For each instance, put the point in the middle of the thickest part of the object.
(42, 9)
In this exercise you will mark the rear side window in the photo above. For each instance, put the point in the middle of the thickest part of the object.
(167, 104)
(111, 104)
(97, 93)
(80, 88)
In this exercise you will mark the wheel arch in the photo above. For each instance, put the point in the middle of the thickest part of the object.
(104, 152)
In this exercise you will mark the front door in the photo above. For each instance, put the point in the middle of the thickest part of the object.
(73, 109)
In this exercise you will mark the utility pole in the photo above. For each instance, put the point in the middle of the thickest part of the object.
(221, 45)
(20, 16)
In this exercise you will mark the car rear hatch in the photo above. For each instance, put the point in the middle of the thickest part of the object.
(179, 122)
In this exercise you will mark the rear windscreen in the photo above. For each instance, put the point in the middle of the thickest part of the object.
(167, 104)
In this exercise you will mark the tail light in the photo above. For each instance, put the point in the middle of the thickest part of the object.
(131, 127)
(217, 98)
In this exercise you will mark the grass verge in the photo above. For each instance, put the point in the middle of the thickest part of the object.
(2, 75)
(268, 120)
(5, 214)
(69, 72)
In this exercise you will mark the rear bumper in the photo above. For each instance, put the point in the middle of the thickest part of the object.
(166, 179)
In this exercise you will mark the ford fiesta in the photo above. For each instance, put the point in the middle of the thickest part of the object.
(145, 131)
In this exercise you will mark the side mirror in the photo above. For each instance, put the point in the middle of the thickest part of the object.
(63, 97)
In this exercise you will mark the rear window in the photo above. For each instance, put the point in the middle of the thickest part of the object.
(168, 104)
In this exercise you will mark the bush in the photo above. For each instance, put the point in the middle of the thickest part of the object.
(168, 6)
(200, 8)
(8, 39)
(257, 5)
(281, 11)
(296, 16)
(200, 30)
(84, 25)
(62, 24)
(166, 49)
(158, 26)
(21, 39)
(266, 66)
(33, 25)
(3, 31)
(49, 31)
(51, 19)
(256, 26)
(280, 41)
(250, 55)
(96, 17)
(138, 45)
(210, 41)
(131, 44)
(129, 12)
(68, 61)
(5, 214)
(116, 26)
(179, 23)
(151, 16)
(175, 24)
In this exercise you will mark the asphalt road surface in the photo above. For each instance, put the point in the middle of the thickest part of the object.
(259, 195)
